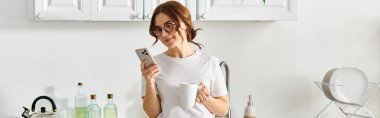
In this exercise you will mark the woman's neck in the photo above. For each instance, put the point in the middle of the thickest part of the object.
(180, 51)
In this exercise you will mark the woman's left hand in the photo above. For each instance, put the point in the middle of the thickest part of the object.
(203, 94)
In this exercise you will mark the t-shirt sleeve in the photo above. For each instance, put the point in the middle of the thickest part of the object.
(218, 85)
(143, 87)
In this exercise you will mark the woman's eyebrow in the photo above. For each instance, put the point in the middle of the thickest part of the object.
(164, 23)
(168, 21)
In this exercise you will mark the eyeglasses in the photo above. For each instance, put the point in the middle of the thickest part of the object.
(168, 27)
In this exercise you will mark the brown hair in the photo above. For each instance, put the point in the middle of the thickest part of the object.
(177, 12)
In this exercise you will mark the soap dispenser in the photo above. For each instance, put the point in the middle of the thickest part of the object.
(250, 111)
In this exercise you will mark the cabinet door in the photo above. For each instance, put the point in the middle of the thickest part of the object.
(240, 10)
(117, 10)
(150, 5)
(62, 9)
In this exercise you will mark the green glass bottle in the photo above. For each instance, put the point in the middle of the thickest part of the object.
(110, 109)
(93, 110)
(80, 102)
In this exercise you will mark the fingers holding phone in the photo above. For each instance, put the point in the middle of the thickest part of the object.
(150, 72)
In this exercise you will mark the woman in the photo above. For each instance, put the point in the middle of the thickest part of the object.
(171, 24)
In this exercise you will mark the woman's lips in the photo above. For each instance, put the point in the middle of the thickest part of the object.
(168, 40)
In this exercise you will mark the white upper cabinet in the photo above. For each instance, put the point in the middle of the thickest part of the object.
(150, 5)
(62, 9)
(117, 10)
(141, 10)
(246, 10)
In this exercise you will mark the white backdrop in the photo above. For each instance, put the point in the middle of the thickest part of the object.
(275, 61)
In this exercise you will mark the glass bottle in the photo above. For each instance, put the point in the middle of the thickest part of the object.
(93, 110)
(110, 109)
(80, 102)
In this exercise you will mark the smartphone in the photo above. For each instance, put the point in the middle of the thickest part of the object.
(143, 53)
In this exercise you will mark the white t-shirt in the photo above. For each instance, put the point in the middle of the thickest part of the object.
(197, 68)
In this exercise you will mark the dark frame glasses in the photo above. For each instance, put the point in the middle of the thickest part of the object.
(169, 27)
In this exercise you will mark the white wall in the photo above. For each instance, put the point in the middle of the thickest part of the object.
(275, 61)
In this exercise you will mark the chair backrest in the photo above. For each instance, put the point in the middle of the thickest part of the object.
(224, 66)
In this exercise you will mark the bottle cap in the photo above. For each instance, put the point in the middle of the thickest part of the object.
(110, 96)
(80, 84)
(93, 96)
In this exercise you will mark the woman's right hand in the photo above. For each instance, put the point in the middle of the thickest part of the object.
(150, 72)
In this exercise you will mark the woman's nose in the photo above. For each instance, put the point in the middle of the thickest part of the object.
(164, 33)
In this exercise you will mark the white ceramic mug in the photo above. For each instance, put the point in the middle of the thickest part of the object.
(188, 94)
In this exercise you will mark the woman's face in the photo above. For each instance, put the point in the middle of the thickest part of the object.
(170, 38)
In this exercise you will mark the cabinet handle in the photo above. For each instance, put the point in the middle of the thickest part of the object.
(204, 16)
(39, 16)
(148, 16)
(139, 16)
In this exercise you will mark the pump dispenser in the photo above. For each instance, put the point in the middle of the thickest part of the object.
(250, 111)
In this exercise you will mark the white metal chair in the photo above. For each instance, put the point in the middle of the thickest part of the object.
(224, 66)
